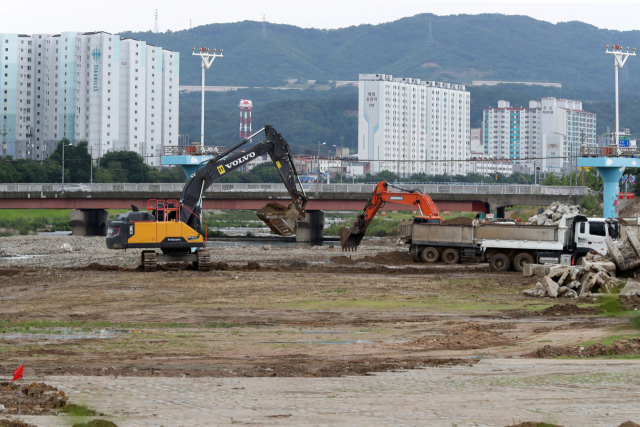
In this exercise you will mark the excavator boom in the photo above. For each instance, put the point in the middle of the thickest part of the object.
(350, 237)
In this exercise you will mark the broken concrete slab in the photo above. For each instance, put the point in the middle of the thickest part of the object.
(551, 287)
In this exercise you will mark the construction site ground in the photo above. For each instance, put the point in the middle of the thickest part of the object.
(305, 336)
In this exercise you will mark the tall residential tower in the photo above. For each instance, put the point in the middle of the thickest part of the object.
(116, 94)
(409, 126)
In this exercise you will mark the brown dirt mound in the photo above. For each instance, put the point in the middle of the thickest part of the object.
(96, 423)
(275, 206)
(342, 260)
(630, 303)
(94, 266)
(461, 220)
(463, 337)
(534, 424)
(618, 348)
(220, 266)
(389, 258)
(13, 423)
(629, 424)
(252, 265)
(37, 398)
(564, 309)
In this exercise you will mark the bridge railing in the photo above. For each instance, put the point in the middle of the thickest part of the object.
(193, 150)
(484, 189)
(613, 151)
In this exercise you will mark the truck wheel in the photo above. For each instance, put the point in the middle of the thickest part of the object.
(499, 262)
(429, 255)
(450, 256)
(521, 260)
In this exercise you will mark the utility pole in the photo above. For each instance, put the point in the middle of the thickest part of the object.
(318, 171)
(620, 58)
(581, 149)
(207, 59)
(91, 167)
(62, 165)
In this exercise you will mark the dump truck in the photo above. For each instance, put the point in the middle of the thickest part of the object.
(507, 245)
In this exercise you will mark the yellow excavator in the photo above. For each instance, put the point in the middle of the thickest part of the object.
(175, 226)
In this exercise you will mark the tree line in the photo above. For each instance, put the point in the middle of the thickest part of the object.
(114, 166)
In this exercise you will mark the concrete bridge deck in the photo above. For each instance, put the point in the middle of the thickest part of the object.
(453, 197)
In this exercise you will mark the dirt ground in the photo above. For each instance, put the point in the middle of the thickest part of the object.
(297, 315)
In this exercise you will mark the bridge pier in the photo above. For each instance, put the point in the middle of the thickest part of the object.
(312, 228)
(89, 222)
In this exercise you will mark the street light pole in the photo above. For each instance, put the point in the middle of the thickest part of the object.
(62, 165)
(207, 59)
(318, 171)
(341, 155)
(620, 58)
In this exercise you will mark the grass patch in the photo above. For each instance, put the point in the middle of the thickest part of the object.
(74, 410)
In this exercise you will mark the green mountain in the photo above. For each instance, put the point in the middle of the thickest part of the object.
(465, 48)
(305, 117)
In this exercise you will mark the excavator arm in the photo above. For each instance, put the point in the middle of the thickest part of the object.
(283, 222)
(350, 237)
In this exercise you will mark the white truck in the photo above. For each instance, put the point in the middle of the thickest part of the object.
(507, 244)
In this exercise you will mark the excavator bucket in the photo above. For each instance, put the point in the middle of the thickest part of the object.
(350, 239)
(281, 219)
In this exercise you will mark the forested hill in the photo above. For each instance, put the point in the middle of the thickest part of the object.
(464, 48)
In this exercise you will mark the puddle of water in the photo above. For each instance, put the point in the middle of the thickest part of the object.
(14, 258)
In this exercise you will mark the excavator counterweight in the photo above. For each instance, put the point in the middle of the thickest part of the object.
(350, 237)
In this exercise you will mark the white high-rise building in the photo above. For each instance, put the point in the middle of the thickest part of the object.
(409, 126)
(542, 133)
(512, 133)
(115, 94)
(18, 74)
(565, 127)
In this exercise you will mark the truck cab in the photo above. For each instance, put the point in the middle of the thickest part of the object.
(593, 233)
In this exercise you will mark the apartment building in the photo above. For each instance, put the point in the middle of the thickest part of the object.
(409, 126)
(547, 131)
(90, 87)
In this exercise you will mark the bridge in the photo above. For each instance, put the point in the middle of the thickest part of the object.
(452, 197)
(90, 201)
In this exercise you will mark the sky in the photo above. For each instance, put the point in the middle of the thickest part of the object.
(114, 16)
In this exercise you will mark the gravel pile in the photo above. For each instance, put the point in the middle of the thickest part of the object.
(75, 251)
(553, 214)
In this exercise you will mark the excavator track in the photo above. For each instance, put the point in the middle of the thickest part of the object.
(149, 260)
(204, 260)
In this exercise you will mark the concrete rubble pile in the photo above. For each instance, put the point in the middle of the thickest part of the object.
(553, 214)
(597, 274)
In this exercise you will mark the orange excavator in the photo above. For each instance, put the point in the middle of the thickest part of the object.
(350, 237)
